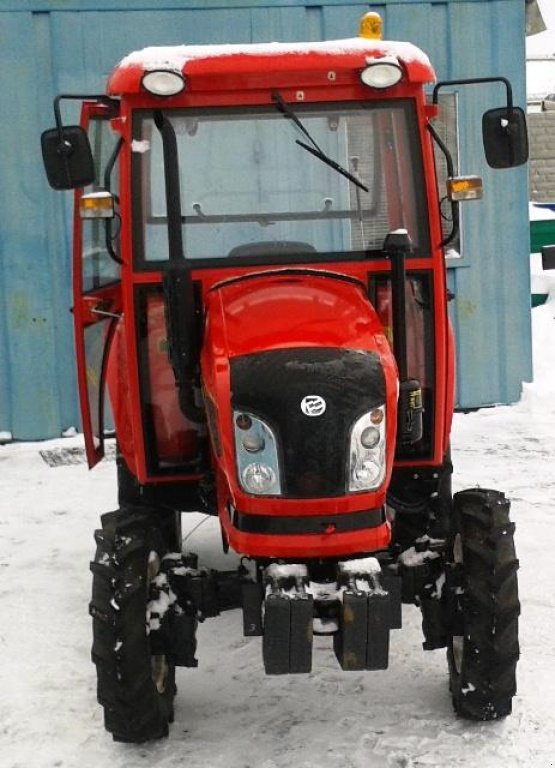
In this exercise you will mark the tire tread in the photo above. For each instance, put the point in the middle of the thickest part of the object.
(486, 683)
(134, 710)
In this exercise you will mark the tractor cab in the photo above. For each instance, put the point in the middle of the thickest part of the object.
(259, 280)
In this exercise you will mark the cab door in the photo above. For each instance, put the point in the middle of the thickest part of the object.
(96, 280)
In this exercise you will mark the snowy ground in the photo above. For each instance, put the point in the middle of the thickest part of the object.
(228, 714)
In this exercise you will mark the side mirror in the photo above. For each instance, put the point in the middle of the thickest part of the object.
(505, 137)
(67, 157)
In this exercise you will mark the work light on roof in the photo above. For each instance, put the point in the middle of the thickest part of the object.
(382, 73)
(163, 82)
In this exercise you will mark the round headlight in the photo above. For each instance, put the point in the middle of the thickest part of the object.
(163, 82)
(258, 478)
(366, 473)
(370, 437)
(367, 462)
(382, 74)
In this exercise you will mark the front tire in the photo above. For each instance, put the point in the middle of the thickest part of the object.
(483, 645)
(135, 687)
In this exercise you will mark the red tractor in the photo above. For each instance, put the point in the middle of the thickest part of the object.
(259, 278)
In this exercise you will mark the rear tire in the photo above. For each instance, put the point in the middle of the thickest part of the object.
(135, 688)
(483, 645)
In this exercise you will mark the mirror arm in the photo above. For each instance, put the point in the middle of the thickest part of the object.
(481, 81)
(100, 97)
(110, 164)
(476, 81)
(107, 186)
(65, 149)
(450, 173)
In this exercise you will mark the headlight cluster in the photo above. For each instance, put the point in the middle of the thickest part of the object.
(257, 456)
(256, 452)
(367, 451)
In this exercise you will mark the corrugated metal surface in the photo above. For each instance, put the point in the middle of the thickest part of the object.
(49, 47)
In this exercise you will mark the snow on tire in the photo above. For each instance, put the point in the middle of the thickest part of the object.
(483, 647)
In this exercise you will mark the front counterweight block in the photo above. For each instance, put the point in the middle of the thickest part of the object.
(302, 620)
(288, 621)
(351, 641)
(287, 642)
(362, 642)
(276, 643)
(370, 608)
(377, 650)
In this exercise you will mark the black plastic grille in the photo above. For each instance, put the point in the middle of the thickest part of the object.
(313, 450)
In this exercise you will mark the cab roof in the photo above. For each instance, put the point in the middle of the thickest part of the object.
(263, 65)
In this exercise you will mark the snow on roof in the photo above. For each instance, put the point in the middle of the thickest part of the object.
(177, 57)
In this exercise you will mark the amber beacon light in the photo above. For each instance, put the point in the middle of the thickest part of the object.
(371, 26)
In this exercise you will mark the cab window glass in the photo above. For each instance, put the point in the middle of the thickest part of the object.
(99, 267)
(248, 187)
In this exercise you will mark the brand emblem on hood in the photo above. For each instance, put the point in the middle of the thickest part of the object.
(313, 405)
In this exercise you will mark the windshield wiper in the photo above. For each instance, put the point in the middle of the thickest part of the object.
(315, 150)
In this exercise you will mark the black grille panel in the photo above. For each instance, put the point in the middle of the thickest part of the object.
(313, 450)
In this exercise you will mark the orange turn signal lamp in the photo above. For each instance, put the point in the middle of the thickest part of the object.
(97, 205)
(464, 188)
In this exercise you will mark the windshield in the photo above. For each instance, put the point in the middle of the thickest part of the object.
(250, 189)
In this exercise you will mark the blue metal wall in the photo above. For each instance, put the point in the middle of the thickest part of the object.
(49, 46)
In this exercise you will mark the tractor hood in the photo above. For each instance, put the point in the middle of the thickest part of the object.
(292, 308)
(305, 352)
